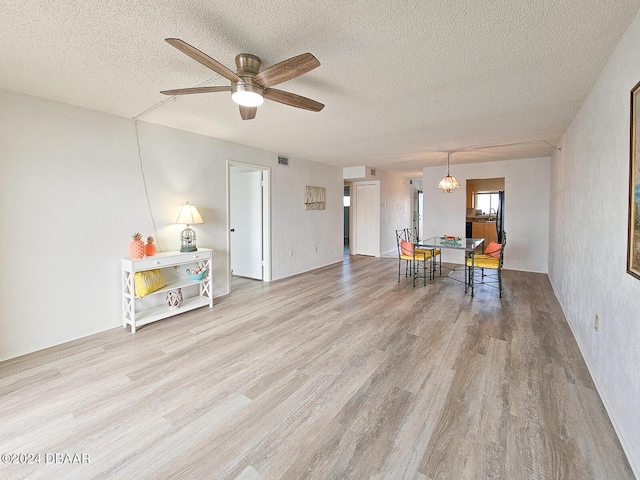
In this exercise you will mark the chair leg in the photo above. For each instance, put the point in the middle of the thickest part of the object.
(413, 271)
(500, 281)
(437, 260)
(432, 267)
(469, 277)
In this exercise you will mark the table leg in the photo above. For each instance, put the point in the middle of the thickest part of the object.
(432, 272)
(465, 273)
(471, 273)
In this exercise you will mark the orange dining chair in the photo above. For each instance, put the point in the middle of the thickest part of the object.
(432, 254)
(416, 263)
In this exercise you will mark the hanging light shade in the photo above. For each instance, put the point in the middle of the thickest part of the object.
(448, 184)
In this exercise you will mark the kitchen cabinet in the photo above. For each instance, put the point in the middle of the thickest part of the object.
(471, 192)
(486, 230)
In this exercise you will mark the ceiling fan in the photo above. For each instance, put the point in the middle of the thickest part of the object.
(250, 86)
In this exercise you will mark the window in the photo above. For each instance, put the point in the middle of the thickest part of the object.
(487, 202)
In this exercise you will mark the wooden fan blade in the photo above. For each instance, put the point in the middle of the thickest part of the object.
(286, 70)
(292, 99)
(203, 58)
(188, 91)
(248, 113)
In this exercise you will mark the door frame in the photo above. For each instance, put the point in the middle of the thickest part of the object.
(417, 200)
(266, 218)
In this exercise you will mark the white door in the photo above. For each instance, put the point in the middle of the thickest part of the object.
(366, 235)
(246, 222)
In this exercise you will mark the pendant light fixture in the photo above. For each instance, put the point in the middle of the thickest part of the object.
(448, 184)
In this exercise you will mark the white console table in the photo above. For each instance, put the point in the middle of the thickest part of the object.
(173, 266)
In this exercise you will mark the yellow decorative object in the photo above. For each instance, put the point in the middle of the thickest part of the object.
(148, 282)
(428, 253)
(484, 261)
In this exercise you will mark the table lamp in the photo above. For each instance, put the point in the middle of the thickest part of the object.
(188, 215)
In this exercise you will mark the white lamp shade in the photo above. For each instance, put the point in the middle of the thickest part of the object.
(448, 184)
(247, 99)
(188, 215)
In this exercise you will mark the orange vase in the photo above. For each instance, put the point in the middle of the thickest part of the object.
(150, 248)
(136, 247)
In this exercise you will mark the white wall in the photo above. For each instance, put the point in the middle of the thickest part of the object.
(300, 230)
(72, 195)
(395, 208)
(526, 211)
(587, 261)
(183, 158)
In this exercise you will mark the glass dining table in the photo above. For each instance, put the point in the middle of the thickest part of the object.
(468, 245)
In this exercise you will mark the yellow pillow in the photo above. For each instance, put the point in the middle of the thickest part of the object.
(147, 282)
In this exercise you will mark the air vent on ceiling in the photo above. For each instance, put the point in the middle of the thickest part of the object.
(283, 161)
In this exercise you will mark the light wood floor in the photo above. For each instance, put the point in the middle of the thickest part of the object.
(339, 373)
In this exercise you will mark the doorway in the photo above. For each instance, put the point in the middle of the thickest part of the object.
(416, 213)
(485, 209)
(248, 222)
(346, 202)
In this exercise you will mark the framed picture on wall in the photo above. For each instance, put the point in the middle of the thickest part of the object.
(633, 242)
(314, 198)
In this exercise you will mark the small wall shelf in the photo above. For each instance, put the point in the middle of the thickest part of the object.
(169, 262)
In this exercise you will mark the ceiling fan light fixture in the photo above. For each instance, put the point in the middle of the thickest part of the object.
(249, 85)
(247, 99)
(247, 95)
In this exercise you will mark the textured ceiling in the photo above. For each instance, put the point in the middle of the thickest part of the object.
(403, 81)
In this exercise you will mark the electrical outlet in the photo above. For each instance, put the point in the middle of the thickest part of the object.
(596, 323)
(291, 253)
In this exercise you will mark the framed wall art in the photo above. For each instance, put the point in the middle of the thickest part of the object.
(633, 242)
(314, 198)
